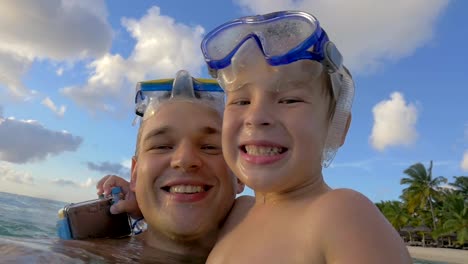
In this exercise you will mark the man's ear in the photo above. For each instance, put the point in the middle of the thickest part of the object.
(133, 178)
(345, 132)
(239, 186)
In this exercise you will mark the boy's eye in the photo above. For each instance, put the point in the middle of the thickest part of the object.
(240, 102)
(290, 101)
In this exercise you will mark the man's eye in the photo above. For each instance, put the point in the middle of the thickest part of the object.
(160, 148)
(211, 149)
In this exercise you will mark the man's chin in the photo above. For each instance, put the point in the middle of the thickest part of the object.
(194, 223)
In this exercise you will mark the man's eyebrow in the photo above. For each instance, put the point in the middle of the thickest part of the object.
(210, 130)
(157, 132)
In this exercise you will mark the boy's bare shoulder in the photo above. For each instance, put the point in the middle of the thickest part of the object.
(337, 198)
(354, 231)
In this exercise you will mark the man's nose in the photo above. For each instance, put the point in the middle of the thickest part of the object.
(259, 113)
(186, 158)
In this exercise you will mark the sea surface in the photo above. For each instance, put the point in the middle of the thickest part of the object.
(28, 235)
(28, 217)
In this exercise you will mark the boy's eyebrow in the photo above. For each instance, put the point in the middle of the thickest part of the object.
(157, 132)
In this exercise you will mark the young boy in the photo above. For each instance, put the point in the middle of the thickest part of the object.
(287, 112)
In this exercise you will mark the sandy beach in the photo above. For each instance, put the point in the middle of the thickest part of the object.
(445, 255)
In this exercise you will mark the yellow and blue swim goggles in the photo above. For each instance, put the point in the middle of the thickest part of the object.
(184, 86)
(283, 37)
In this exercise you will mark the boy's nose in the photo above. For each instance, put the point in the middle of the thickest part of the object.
(185, 158)
(259, 114)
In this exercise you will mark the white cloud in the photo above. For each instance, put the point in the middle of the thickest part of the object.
(464, 162)
(360, 164)
(8, 173)
(127, 163)
(394, 123)
(447, 187)
(51, 105)
(65, 182)
(12, 67)
(367, 32)
(59, 71)
(27, 140)
(57, 30)
(162, 47)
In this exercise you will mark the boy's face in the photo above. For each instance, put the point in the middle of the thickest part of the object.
(182, 183)
(273, 138)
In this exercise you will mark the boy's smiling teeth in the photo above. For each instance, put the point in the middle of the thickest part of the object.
(263, 150)
(186, 189)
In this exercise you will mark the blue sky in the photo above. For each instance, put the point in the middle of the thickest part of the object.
(68, 71)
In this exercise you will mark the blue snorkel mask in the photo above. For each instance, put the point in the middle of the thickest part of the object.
(150, 95)
(276, 43)
(283, 37)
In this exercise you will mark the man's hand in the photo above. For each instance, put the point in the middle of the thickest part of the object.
(128, 204)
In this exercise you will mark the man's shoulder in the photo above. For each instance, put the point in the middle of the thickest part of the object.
(244, 202)
(239, 210)
(242, 206)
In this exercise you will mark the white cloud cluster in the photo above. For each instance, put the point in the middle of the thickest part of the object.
(367, 32)
(162, 47)
(59, 111)
(27, 140)
(464, 162)
(8, 173)
(65, 182)
(394, 123)
(57, 30)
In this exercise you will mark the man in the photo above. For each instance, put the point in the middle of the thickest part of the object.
(183, 187)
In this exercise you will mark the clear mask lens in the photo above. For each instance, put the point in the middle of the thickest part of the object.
(276, 37)
(152, 94)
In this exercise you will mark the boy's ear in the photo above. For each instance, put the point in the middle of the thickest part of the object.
(133, 178)
(239, 186)
(345, 132)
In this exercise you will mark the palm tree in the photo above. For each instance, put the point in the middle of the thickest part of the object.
(395, 213)
(422, 189)
(461, 185)
(455, 217)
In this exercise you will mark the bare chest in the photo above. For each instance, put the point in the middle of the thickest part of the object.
(270, 237)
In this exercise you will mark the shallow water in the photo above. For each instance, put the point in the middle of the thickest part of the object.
(129, 250)
(421, 261)
(28, 235)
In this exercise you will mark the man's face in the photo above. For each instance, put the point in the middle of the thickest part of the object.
(182, 183)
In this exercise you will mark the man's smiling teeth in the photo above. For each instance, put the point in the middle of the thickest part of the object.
(186, 189)
(263, 150)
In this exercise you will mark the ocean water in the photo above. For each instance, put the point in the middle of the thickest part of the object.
(28, 235)
(28, 217)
